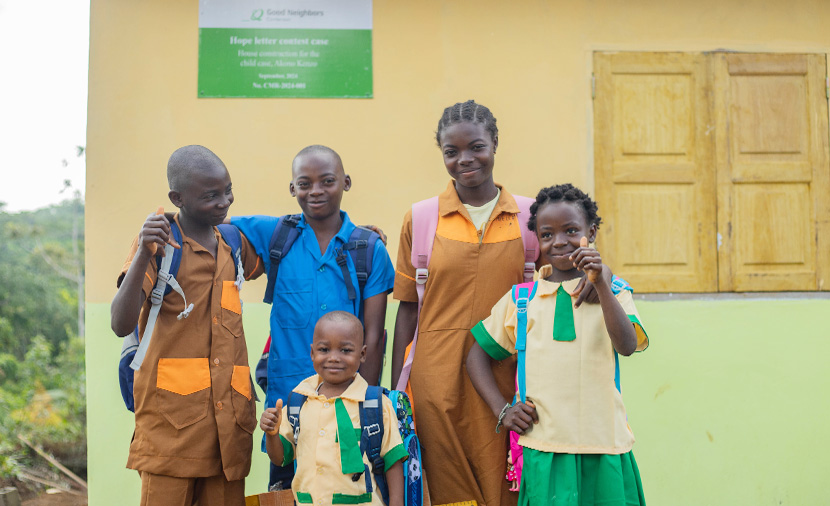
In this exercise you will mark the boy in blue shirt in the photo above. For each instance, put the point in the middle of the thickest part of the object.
(310, 283)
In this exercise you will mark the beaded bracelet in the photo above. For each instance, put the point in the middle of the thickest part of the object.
(501, 416)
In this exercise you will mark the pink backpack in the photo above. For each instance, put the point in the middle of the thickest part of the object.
(424, 226)
(515, 461)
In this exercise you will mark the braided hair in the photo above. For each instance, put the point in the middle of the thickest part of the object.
(468, 111)
(564, 193)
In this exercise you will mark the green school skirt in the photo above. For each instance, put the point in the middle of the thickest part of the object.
(562, 479)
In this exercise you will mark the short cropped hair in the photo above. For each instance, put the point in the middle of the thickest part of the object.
(188, 160)
(342, 319)
(316, 149)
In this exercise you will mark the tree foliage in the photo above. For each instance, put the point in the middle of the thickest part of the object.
(42, 376)
(39, 267)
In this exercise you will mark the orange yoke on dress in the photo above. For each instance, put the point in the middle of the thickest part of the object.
(464, 458)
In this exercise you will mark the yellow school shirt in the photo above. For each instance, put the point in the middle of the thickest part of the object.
(319, 478)
(480, 215)
(570, 382)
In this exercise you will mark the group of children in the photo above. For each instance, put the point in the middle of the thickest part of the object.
(194, 398)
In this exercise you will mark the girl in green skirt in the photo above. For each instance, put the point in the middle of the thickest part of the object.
(569, 413)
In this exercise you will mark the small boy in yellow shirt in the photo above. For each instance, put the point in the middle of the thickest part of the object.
(331, 468)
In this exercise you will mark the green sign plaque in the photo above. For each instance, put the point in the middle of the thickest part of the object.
(314, 49)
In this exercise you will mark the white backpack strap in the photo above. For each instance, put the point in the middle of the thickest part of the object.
(529, 240)
(424, 226)
(240, 273)
(156, 298)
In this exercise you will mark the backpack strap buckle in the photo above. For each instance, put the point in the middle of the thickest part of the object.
(373, 429)
(530, 268)
(157, 295)
(421, 275)
(356, 244)
(521, 304)
(341, 257)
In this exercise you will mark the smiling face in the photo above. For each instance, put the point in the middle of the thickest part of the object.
(337, 350)
(318, 184)
(206, 196)
(469, 153)
(559, 227)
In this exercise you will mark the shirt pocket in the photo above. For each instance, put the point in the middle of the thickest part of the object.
(231, 308)
(294, 303)
(183, 390)
(242, 398)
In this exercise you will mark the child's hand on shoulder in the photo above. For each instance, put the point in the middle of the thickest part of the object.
(156, 233)
(271, 418)
(588, 260)
(520, 417)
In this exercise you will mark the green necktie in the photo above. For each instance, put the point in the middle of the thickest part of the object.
(563, 318)
(351, 460)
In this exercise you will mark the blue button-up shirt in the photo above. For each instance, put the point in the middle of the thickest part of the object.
(308, 285)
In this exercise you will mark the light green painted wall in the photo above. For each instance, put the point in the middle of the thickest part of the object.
(728, 404)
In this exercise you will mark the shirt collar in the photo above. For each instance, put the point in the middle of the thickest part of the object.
(448, 202)
(196, 245)
(545, 287)
(345, 229)
(355, 392)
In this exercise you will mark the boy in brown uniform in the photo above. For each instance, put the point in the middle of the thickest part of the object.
(194, 406)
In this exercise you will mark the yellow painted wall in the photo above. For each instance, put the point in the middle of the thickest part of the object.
(530, 61)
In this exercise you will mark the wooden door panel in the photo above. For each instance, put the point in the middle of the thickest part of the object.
(771, 136)
(769, 116)
(775, 227)
(653, 170)
(647, 208)
(781, 172)
(652, 116)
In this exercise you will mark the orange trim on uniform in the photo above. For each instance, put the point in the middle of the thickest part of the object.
(149, 278)
(241, 380)
(505, 227)
(453, 225)
(404, 275)
(230, 297)
(255, 268)
(456, 227)
(183, 376)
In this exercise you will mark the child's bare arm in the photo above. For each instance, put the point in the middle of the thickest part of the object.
(405, 322)
(620, 329)
(126, 305)
(518, 417)
(374, 316)
(394, 479)
(481, 375)
(378, 231)
(270, 425)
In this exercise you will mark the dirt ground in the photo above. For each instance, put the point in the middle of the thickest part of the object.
(56, 500)
(33, 495)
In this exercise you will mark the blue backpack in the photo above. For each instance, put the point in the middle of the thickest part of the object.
(371, 439)
(361, 247)
(132, 351)
(413, 470)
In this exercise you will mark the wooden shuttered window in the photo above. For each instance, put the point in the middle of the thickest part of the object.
(712, 171)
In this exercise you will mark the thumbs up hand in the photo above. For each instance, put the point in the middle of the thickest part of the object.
(271, 418)
(156, 232)
(588, 260)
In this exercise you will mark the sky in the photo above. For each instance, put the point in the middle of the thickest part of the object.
(44, 55)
